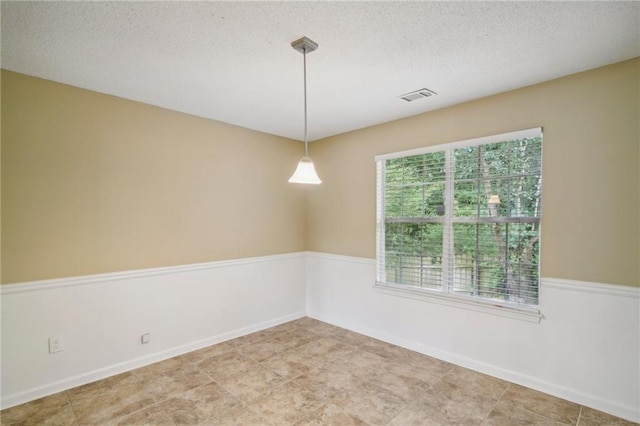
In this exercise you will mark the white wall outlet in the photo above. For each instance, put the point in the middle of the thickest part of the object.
(56, 344)
(146, 338)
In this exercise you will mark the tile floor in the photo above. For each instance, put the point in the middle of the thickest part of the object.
(304, 372)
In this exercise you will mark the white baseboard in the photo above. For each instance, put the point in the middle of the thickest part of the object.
(102, 318)
(585, 349)
(613, 407)
(92, 376)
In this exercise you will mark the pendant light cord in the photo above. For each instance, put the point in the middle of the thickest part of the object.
(304, 59)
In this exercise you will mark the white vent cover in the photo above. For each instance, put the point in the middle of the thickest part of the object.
(417, 94)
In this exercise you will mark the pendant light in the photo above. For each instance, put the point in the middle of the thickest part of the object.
(305, 172)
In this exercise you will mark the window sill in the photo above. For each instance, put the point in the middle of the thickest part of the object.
(461, 302)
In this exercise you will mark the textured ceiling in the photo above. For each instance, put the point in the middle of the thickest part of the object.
(232, 61)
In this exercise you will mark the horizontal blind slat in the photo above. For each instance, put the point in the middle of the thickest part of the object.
(493, 222)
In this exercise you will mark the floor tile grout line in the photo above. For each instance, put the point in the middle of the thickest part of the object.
(158, 401)
(75, 417)
(311, 414)
(579, 416)
(366, 379)
(547, 417)
(323, 404)
(397, 414)
(496, 403)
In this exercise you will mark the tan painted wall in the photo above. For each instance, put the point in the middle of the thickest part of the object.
(591, 183)
(93, 183)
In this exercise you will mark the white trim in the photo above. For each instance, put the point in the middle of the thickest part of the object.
(92, 376)
(591, 287)
(589, 332)
(400, 290)
(478, 305)
(528, 133)
(380, 228)
(559, 283)
(446, 295)
(185, 308)
(353, 285)
(22, 287)
(342, 258)
(569, 394)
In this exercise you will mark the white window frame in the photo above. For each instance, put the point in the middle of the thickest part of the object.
(436, 296)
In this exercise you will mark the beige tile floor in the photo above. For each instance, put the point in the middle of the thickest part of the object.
(304, 372)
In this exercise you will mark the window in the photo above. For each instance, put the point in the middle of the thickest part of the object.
(462, 220)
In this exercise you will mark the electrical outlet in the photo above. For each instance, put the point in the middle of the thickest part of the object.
(146, 338)
(56, 344)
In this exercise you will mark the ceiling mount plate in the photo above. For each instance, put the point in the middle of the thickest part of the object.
(304, 45)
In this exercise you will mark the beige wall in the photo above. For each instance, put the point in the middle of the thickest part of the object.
(93, 183)
(591, 183)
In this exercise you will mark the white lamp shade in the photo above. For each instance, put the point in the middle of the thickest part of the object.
(305, 173)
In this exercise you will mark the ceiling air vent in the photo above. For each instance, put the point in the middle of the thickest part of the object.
(418, 94)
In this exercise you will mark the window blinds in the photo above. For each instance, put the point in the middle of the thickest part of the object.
(463, 218)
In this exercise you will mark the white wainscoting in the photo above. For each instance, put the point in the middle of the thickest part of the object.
(102, 318)
(585, 348)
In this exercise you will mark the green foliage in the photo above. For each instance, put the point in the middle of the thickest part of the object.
(496, 259)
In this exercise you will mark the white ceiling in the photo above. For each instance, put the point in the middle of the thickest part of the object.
(232, 61)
